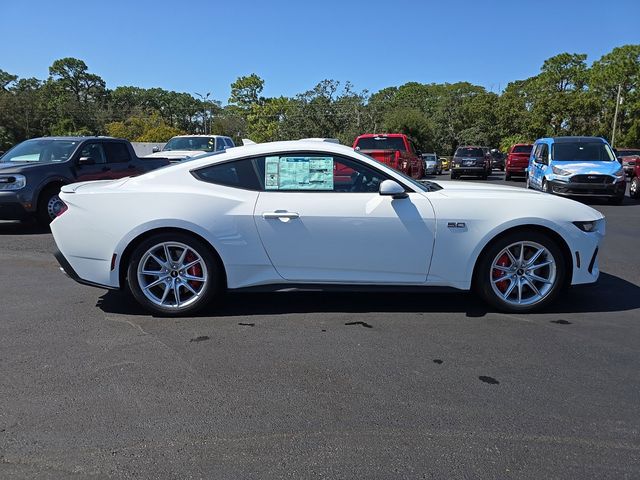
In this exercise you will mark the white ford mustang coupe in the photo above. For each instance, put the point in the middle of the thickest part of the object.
(312, 213)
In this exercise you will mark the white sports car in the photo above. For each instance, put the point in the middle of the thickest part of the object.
(308, 212)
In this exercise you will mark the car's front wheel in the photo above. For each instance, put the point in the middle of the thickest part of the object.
(49, 205)
(521, 271)
(173, 274)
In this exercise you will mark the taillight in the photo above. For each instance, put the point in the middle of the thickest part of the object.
(63, 208)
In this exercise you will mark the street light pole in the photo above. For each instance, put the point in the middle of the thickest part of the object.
(615, 117)
(205, 100)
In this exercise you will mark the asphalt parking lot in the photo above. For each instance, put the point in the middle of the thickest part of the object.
(319, 385)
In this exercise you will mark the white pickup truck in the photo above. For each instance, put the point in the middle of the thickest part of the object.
(184, 147)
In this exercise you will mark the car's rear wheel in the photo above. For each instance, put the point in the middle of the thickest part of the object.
(173, 274)
(634, 188)
(49, 205)
(521, 271)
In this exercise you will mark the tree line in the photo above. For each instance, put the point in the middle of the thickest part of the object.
(567, 97)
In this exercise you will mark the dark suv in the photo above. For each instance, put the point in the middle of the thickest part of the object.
(32, 172)
(474, 161)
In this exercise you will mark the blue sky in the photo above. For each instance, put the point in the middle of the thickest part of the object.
(203, 46)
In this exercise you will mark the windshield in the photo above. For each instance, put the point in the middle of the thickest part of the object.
(204, 144)
(628, 153)
(522, 149)
(430, 158)
(469, 152)
(381, 143)
(40, 151)
(583, 152)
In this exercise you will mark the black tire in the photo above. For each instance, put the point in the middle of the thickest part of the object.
(545, 187)
(454, 176)
(210, 290)
(48, 204)
(482, 282)
(634, 188)
(507, 177)
(484, 177)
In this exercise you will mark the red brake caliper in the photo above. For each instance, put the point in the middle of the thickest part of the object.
(503, 261)
(195, 271)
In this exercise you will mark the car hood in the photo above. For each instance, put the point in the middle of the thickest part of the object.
(588, 168)
(517, 197)
(19, 167)
(174, 154)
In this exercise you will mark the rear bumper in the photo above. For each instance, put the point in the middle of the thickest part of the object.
(68, 269)
(478, 171)
(588, 189)
(517, 170)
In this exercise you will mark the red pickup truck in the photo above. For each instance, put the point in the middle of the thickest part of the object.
(393, 149)
(517, 160)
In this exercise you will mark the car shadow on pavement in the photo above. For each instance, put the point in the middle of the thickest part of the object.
(610, 294)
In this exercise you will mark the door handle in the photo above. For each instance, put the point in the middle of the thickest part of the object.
(280, 214)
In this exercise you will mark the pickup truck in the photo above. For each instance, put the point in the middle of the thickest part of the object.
(393, 149)
(184, 147)
(32, 172)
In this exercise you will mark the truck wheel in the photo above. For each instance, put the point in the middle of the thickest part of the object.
(49, 205)
(634, 188)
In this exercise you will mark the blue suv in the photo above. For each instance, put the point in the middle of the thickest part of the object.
(576, 166)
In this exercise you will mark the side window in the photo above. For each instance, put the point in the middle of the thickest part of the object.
(229, 142)
(317, 173)
(544, 153)
(116, 152)
(239, 174)
(220, 144)
(93, 151)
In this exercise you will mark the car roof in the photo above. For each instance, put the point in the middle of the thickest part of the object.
(78, 138)
(571, 139)
(200, 136)
(373, 135)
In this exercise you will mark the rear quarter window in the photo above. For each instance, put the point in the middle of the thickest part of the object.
(238, 174)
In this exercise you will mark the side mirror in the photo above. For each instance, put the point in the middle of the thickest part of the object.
(393, 189)
(86, 161)
(155, 150)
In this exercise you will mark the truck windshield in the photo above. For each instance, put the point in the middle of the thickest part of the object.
(40, 151)
(381, 143)
(582, 152)
(202, 144)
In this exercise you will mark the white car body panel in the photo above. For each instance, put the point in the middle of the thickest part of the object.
(343, 238)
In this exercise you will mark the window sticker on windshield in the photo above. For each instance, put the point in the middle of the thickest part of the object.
(298, 173)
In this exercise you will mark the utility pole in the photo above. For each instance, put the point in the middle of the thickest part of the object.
(615, 117)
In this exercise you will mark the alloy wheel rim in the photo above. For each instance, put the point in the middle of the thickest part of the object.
(172, 275)
(633, 187)
(54, 205)
(523, 273)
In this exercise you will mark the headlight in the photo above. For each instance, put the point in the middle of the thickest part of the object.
(619, 172)
(560, 171)
(12, 182)
(587, 226)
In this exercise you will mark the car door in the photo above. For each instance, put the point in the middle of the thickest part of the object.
(538, 166)
(119, 160)
(92, 163)
(317, 225)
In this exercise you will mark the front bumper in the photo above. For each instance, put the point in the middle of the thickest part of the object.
(588, 189)
(13, 211)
